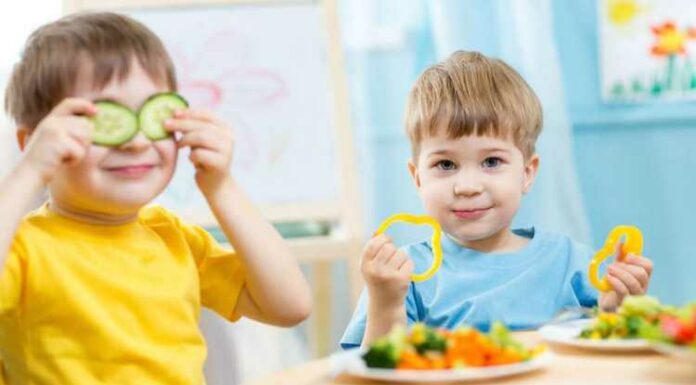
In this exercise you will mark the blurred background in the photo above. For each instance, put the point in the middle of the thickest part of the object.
(618, 145)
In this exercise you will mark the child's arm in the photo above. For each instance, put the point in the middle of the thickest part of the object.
(61, 138)
(630, 277)
(387, 273)
(276, 292)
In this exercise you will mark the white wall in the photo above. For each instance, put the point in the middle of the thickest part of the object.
(17, 20)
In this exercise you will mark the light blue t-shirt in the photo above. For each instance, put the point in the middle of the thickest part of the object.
(523, 289)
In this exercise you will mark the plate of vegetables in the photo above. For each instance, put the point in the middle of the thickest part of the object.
(675, 333)
(624, 330)
(425, 354)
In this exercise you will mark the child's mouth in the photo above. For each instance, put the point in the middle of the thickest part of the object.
(470, 214)
(131, 171)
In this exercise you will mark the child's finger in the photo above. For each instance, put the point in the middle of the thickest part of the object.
(643, 262)
(74, 106)
(187, 125)
(618, 286)
(374, 245)
(638, 272)
(200, 139)
(408, 266)
(396, 259)
(74, 153)
(628, 280)
(207, 159)
(196, 114)
(384, 254)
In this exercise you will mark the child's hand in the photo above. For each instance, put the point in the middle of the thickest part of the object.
(61, 138)
(386, 270)
(629, 277)
(211, 143)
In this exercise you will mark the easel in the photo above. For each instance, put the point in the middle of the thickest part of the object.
(345, 240)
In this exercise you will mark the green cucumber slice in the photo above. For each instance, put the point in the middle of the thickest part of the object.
(114, 124)
(156, 110)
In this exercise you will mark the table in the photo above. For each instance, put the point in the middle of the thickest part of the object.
(570, 366)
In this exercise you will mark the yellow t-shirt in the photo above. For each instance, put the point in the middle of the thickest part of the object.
(86, 304)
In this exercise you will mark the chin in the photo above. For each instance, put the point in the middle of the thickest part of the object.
(473, 234)
(124, 202)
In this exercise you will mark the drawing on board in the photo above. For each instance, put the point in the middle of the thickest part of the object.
(265, 71)
(648, 49)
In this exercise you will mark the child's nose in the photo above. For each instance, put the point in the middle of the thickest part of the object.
(138, 142)
(468, 184)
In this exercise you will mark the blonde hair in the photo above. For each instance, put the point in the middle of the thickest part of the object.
(55, 54)
(471, 94)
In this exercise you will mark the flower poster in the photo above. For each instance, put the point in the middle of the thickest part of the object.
(647, 50)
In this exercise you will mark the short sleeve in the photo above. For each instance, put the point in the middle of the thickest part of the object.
(11, 278)
(220, 271)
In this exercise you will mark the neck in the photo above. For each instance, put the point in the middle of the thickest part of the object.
(504, 241)
(92, 217)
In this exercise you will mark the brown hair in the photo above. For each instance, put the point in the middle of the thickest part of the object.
(55, 54)
(471, 94)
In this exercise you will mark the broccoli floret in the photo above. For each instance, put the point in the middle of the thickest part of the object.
(635, 325)
(385, 352)
(425, 339)
(501, 336)
(382, 354)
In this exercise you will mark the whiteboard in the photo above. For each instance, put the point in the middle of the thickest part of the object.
(264, 69)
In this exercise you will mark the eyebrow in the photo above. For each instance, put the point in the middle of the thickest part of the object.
(495, 149)
(485, 150)
(439, 152)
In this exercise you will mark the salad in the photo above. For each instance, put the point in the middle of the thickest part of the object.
(635, 315)
(424, 347)
(677, 327)
(645, 317)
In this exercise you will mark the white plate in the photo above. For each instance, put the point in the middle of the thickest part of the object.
(568, 333)
(680, 352)
(350, 362)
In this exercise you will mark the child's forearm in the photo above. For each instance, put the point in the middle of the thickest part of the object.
(273, 276)
(17, 193)
(381, 319)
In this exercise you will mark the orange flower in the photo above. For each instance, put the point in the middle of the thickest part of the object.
(670, 40)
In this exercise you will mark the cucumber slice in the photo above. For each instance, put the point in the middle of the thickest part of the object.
(114, 124)
(156, 110)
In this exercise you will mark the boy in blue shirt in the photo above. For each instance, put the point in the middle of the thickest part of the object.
(473, 122)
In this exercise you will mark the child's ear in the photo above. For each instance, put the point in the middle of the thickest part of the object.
(413, 170)
(22, 137)
(531, 167)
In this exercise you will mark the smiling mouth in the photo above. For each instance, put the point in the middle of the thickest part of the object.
(471, 214)
(132, 170)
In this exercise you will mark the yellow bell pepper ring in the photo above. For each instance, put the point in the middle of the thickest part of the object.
(632, 245)
(436, 238)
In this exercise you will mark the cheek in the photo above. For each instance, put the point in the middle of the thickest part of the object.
(435, 192)
(508, 194)
(94, 157)
(167, 151)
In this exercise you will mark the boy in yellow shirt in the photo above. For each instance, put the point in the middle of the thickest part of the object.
(96, 287)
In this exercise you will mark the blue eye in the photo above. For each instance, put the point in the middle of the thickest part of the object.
(445, 165)
(491, 162)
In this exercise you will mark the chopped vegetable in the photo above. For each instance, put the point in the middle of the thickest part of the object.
(645, 317)
(424, 347)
